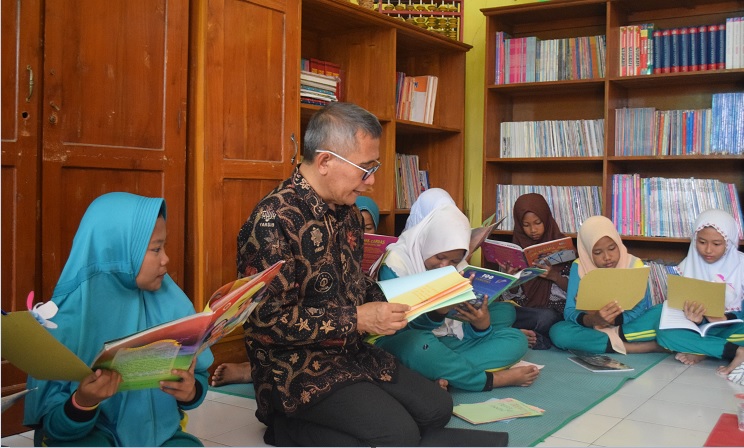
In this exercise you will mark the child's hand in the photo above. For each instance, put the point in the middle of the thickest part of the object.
(694, 312)
(479, 318)
(508, 268)
(97, 387)
(183, 390)
(606, 316)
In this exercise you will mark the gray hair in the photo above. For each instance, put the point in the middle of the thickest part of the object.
(335, 128)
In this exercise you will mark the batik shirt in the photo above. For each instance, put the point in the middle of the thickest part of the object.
(302, 338)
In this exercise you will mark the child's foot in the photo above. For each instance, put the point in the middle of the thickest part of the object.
(441, 382)
(689, 358)
(232, 373)
(736, 362)
(531, 337)
(519, 376)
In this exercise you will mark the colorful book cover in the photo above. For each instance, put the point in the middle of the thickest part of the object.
(598, 363)
(374, 248)
(552, 252)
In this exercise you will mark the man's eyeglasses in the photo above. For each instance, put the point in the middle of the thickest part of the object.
(367, 172)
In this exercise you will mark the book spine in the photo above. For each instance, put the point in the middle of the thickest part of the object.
(684, 50)
(704, 39)
(666, 43)
(623, 51)
(712, 47)
(694, 50)
(675, 51)
(721, 59)
(657, 50)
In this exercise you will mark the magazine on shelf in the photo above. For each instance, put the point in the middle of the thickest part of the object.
(146, 357)
(550, 252)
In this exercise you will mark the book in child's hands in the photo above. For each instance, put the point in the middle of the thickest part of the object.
(598, 363)
(146, 357)
(487, 282)
(601, 286)
(428, 290)
(550, 252)
(675, 318)
(712, 295)
(374, 248)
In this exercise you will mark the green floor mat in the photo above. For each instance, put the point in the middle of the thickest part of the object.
(564, 389)
(240, 390)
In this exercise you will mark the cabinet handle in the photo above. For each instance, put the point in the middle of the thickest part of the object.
(294, 142)
(30, 83)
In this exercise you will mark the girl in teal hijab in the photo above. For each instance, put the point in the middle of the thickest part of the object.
(114, 284)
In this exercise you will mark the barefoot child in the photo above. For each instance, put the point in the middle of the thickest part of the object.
(461, 354)
(115, 283)
(610, 329)
(712, 256)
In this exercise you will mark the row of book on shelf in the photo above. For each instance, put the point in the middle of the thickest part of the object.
(664, 207)
(530, 59)
(320, 82)
(571, 205)
(645, 50)
(647, 131)
(552, 138)
(416, 97)
(410, 181)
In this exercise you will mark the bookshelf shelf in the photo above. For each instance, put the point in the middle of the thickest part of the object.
(599, 98)
(370, 48)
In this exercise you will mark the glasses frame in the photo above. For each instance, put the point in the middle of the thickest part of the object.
(367, 172)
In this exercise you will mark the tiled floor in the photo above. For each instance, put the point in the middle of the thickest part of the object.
(670, 405)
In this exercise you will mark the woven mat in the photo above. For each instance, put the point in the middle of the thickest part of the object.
(564, 389)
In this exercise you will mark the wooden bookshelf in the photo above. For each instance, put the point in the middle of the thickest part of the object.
(599, 98)
(370, 48)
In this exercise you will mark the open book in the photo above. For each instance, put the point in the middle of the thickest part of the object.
(428, 290)
(598, 363)
(675, 318)
(144, 358)
(601, 286)
(487, 282)
(550, 252)
(712, 295)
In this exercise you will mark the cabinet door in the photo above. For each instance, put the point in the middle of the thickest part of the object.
(248, 60)
(114, 119)
(20, 53)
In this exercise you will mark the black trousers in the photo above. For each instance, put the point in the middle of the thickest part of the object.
(411, 412)
(539, 320)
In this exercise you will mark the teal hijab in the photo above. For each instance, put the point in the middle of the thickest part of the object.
(366, 203)
(98, 301)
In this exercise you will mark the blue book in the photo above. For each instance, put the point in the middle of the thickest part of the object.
(704, 38)
(657, 44)
(712, 47)
(692, 33)
(666, 48)
(721, 57)
(676, 49)
(684, 50)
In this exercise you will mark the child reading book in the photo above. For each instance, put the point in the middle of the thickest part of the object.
(462, 354)
(609, 329)
(713, 256)
(370, 213)
(115, 283)
(427, 201)
(540, 301)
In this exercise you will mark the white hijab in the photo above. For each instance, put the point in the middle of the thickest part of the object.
(729, 268)
(425, 204)
(445, 228)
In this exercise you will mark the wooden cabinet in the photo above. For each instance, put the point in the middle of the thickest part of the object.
(370, 47)
(599, 98)
(83, 115)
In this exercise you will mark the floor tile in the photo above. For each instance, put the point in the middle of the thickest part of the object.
(701, 394)
(248, 435)
(643, 387)
(666, 413)
(17, 440)
(207, 442)
(557, 441)
(213, 418)
(587, 428)
(617, 405)
(233, 400)
(631, 433)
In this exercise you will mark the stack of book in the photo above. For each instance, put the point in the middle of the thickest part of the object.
(552, 138)
(320, 82)
(529, 59)
(663, 207)
(410, 181)
(645, 50)
(571, 205)
(416, 97)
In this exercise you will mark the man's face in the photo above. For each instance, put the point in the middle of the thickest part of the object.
(344, 181)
